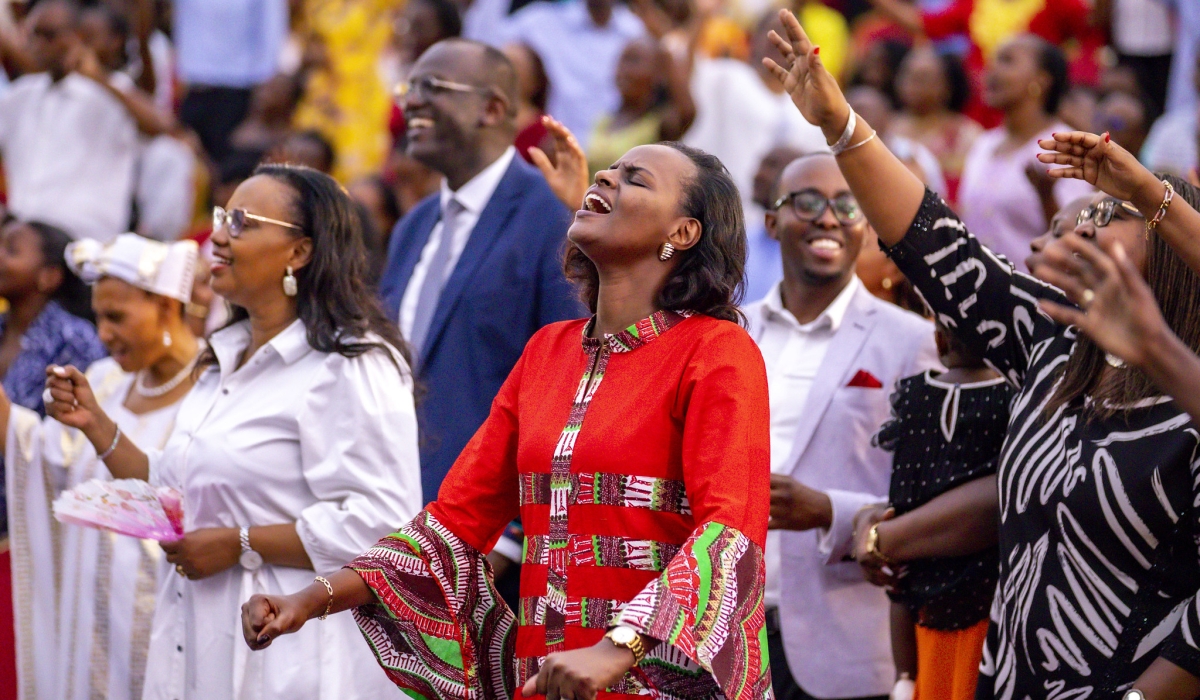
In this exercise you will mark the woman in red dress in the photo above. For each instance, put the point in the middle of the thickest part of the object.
(634, 445)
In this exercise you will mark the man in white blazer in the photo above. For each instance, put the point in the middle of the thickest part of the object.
(833, 354)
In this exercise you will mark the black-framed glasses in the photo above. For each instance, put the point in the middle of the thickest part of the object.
(1101, 213)
(427, 86)
(235, 220)
(810, 204)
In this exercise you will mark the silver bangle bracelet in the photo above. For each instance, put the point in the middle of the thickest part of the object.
(860, 144)
(847, 134)
(111, 448)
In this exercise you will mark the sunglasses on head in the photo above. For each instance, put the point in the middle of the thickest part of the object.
(1101, 213)
(809, 205)
(235, 220)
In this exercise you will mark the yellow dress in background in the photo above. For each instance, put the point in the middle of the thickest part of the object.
(346, 99)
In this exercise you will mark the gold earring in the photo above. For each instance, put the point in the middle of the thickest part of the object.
(667, 251)
(289, 283)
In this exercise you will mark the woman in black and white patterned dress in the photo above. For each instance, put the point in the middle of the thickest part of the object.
(1099, 478)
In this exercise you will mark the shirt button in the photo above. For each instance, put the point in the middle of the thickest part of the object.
(179, 648)
(225, 391)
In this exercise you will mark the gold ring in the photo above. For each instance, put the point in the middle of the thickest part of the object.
(1087, 297)
(179, 570)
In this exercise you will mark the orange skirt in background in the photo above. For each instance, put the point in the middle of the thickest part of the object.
(948, 662)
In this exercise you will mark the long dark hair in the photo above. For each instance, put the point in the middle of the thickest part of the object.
(1176, 288)
(334, 301)
(1053, 62)
(956, 80)
(709, 277)
(72, 294)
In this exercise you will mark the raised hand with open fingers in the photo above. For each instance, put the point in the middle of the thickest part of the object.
(1098, 161)
(813, 89)
(1116, 308)
(567, 174)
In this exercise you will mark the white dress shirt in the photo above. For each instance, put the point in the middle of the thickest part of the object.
(580, 57)
(293, 436)
(69, 149)
(793, 352)
(473, 196)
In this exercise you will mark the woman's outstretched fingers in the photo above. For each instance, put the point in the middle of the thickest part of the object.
(1069, 284)
(783, 45)
(1064, 315)
(801, 45)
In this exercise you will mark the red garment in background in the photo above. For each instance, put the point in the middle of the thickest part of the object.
(1057, 22)
(530, 136)
(8, 639)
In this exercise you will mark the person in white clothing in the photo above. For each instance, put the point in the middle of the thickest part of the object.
(296, 449)
(68, 139)
(85, 598)
(832, 352)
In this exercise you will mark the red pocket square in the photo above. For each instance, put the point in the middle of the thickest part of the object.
(865, 380)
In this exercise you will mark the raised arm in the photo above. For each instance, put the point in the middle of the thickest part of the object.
(815, 92)
(74, 405)
(1107, 166)
(973, 292)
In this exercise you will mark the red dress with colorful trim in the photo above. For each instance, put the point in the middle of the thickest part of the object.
(639, 465)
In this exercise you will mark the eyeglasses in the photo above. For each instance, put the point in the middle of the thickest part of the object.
(1101, 213)
(425, 87)
(235, 220)
(810, 204)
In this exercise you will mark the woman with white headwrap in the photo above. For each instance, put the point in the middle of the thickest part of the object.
(85, 598)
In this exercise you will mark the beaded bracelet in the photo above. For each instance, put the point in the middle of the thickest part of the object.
(328, 587)
(1161, 214)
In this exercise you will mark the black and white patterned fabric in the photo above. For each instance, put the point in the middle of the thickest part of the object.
(942, 436)
(1099, 561)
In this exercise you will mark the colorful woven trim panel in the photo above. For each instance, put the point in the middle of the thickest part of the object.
(439, 630)
(610, 489)
(707, 608)
(604, 550)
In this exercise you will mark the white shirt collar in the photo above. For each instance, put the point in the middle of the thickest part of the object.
(831, 318)
(475, 193)
(228, 344)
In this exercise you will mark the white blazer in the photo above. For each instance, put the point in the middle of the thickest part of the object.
(835, 624)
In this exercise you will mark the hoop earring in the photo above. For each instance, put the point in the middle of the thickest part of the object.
(289, 283)
(667, 251)
(167, 340)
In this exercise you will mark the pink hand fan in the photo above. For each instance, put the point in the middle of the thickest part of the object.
(124, 506)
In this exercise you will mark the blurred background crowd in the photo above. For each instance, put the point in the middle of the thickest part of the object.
(211, 88)
(143, 115)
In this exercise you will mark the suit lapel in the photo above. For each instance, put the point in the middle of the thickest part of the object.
(835, 370)
(487, 231)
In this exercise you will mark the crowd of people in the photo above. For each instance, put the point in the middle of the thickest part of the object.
(826, 349)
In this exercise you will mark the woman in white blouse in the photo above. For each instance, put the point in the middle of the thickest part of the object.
(296, 449)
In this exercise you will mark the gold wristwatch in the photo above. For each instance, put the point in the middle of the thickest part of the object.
(873, 543)
(628, 638)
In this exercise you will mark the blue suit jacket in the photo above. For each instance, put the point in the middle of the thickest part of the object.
(507, 284)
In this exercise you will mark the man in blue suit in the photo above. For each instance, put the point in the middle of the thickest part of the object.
(474, 270)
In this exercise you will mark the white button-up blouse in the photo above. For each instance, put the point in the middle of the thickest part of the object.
(294, 435)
